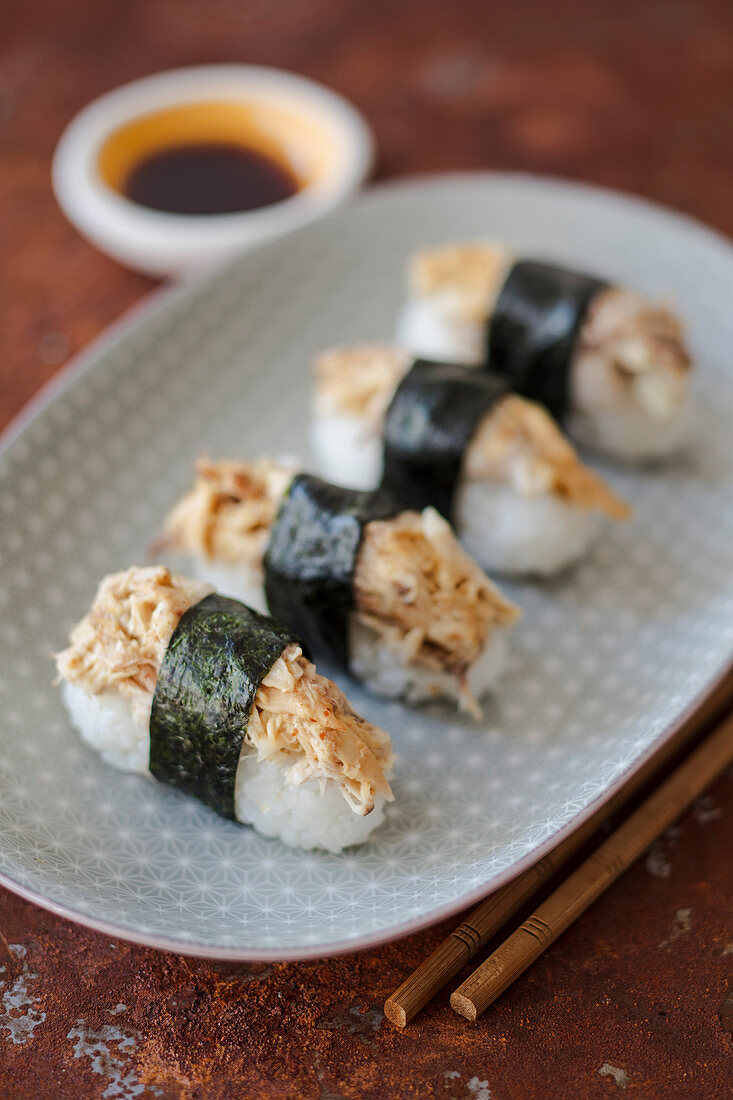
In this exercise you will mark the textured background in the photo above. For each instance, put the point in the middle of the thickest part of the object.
(632, 95)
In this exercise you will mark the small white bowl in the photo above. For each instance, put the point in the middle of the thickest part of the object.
(323, 128)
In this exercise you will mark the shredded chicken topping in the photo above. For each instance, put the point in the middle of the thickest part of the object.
(423, 595)
(120, 644)
(464, 279)
(228, 513)
(306, 717)
(519, 444)
(359, 380)
(631, 350)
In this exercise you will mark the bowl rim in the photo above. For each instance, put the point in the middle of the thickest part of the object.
(125, 228)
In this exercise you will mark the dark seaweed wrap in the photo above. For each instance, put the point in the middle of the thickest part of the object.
(434, 413)
(216, 660)
(533, 329)
(311, 557)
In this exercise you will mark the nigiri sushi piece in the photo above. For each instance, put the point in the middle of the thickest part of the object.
(165, 677)
(494, 464)
(386, 593)
(611, 367)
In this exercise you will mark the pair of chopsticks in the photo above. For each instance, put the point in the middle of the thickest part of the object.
(582, 887)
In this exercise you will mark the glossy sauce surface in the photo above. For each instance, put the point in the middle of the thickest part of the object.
(209, 178)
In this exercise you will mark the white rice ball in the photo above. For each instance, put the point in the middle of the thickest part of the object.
(429, 333)
(237, 581)
(345, 452)
(509, 533)
(632, 435)
(302, 816)
(380, 669)
(105, 723)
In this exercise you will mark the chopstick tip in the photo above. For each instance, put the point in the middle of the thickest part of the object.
(463, 1006)
(395, 1013)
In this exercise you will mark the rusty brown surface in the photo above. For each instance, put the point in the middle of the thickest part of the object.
(633, 999)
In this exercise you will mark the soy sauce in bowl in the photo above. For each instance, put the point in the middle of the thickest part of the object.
(209, 178)
(212, 157)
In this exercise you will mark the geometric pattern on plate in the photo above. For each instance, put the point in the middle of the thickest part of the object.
(604, 659)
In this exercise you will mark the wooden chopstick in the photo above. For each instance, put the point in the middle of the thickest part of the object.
(595, 875)
(470, 936)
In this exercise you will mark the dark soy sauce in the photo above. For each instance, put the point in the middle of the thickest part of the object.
(209, 178)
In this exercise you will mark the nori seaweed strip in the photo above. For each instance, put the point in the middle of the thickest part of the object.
(532, 332)
(215, 661)
(311, 557)
(434, 413)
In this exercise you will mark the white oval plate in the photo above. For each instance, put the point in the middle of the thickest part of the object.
(606, 659)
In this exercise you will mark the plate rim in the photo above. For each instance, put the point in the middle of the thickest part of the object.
(148, 306)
